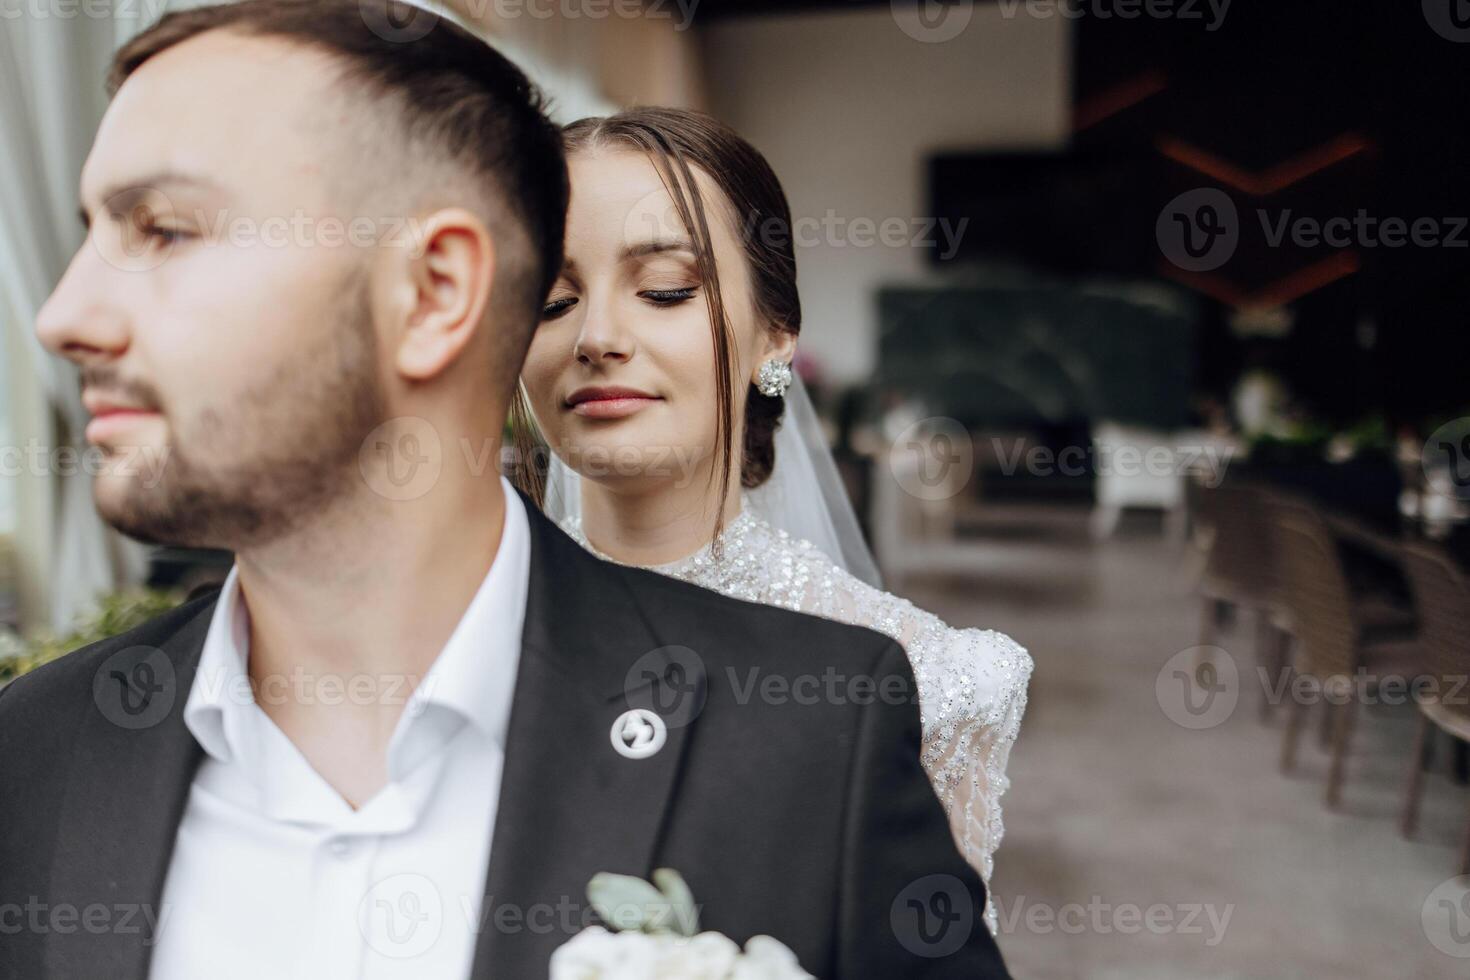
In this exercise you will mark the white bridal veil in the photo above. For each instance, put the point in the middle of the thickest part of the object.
(803, 497)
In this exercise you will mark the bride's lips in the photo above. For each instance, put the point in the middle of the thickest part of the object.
(608, 401)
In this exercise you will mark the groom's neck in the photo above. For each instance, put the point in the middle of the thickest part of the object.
(374, 595)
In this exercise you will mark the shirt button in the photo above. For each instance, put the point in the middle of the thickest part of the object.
(340, 847)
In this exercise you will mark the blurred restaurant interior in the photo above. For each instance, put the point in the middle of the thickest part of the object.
(1140, 333)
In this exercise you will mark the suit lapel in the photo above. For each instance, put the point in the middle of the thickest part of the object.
(570, 804)
(130, 775)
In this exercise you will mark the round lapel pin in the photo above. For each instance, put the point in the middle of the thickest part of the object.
(639, 733)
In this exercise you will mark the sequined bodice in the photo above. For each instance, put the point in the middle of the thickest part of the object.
(972, 682)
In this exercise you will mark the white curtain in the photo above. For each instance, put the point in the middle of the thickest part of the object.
(51, 99)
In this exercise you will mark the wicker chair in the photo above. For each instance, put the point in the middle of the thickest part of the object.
(1240, 570)
(1442, 597)
(1333, 640)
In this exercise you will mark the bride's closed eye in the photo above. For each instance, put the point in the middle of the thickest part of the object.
(669, 297)
(557, 307)
(657, 297)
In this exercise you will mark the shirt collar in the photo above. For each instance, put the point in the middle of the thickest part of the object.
(473, 677)
(221, 686)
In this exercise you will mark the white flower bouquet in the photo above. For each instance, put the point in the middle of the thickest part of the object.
(655, 936)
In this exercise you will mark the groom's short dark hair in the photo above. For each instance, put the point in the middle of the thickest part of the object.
(449, 91)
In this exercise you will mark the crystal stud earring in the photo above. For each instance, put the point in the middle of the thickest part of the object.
(774, 378)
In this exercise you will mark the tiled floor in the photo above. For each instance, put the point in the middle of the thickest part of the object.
(1137, 847)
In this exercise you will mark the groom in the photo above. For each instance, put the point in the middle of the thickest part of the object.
(417, 718)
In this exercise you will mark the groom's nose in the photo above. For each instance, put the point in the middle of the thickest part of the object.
(81, 319)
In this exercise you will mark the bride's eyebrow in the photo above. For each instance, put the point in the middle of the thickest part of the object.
(639, 250)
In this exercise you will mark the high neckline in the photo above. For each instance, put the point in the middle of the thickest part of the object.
(734, 530)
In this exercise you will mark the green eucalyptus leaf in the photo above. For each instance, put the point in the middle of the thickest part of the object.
(627, 903)
(685, 917)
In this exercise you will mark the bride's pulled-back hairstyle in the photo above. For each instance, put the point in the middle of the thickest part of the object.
(677, 140)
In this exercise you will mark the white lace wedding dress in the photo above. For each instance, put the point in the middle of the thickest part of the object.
(972, 682)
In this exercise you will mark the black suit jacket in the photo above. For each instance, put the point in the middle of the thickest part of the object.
(792, 800)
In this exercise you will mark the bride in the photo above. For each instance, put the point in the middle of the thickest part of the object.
(679, 281)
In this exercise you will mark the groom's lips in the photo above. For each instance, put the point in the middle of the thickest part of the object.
(608, 402)
(111, 417)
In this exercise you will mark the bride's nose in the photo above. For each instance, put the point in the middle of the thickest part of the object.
(602, 339)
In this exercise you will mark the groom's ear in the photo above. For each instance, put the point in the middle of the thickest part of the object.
(442, 291)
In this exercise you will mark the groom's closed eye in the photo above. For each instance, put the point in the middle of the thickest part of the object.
(124, 199)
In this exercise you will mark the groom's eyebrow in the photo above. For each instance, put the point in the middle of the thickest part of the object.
(120, 197)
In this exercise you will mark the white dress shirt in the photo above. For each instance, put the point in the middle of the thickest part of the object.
(275, 877)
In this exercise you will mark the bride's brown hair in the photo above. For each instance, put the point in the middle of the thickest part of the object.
(676, 140)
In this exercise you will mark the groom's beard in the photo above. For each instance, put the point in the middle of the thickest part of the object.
(256, 469)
